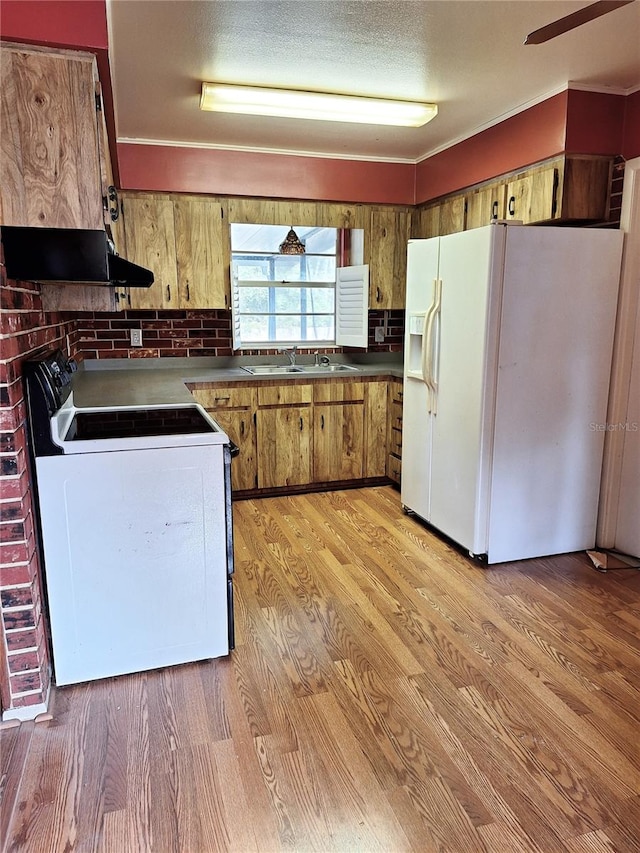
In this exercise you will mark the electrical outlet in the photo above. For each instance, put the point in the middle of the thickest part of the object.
(136, 337)
(378, 334)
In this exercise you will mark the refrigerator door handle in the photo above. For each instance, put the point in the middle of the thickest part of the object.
(425, 355)
(427, 348)
(432, 377)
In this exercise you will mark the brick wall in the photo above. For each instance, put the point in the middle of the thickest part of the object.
(167, 334)
(24, 654)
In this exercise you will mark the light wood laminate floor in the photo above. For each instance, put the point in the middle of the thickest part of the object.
(385, 694)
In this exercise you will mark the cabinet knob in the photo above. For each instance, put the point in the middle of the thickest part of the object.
(494, 210)
(377, 294)
(168, 293)
(321, 421)
(512, 206)
(301, 424)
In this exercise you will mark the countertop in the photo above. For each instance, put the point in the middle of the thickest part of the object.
(162, 381)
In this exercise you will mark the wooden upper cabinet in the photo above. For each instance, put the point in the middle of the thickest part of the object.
(150, 239)
(336, 215)
(50, 173)
(569, 189)
(425, 222)
(272, 212)
(485, 204)
(452, 215)
(202, 253)
(184, 241)
(583, 191)
(532, 197)
(390, 230)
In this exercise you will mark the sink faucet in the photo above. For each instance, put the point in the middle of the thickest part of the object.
(290, 353)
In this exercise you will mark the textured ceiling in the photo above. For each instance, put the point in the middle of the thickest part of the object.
(466, 55)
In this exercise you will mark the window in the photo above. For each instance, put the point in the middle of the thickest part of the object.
(283, 299)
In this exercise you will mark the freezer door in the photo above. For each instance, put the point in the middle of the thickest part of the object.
(416, 448)
(464, 376)
(422, 273)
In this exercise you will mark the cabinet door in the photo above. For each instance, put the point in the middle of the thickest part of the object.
(532, 197)
(284, 446)
(375, 429)
(425, 222)
(50, 164)
(202, 253)
(238, 425)
(584, 188)
(338, 432)
(150, 240)
(233, 407)
(485, 204)
(389, 235)
(452, 215)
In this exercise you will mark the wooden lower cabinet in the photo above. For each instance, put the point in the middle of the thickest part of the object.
(283, 435)
(375, 419)
(233, 408)
(299, 434)
(394, 431)
(338, 442)
(240, 428)
(284, 446)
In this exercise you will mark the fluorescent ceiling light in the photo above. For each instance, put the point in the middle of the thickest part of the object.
(258, 101)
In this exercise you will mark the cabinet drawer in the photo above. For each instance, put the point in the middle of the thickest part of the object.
(395, 415)
(224, 398)
(336, 392)
(394, 468)
(396, 393)
(395, 445)
(282, 395)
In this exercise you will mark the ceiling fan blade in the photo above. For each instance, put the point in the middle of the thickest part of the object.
(575, 19)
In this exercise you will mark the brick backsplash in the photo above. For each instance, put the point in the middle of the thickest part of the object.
(167, 334)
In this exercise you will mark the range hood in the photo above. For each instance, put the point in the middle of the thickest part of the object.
(67, 256)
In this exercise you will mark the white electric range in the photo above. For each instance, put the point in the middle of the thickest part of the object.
(135, 526)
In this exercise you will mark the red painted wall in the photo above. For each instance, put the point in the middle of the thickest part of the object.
(222, 172)
(64, 23)
(631, 131)
(530, 136)
(595, 123)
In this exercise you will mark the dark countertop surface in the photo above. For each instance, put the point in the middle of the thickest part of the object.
(162, 381)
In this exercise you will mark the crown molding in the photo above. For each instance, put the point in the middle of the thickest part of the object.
(210, 146)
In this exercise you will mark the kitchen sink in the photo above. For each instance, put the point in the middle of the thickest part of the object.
(266, 369)
(324, 368)
(276, 369)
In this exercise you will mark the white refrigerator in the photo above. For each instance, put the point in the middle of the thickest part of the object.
(508, 345)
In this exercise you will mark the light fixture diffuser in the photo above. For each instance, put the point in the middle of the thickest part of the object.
(285, 103)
